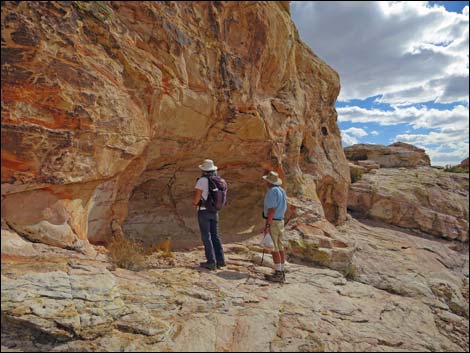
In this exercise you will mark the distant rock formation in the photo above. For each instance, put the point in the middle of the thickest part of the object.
(416, 197)
(396, 155)
(424, 199)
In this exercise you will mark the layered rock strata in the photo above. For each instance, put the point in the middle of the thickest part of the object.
(109, 107)
(403, 292)
(423, 199)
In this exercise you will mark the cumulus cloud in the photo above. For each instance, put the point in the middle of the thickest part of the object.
(442, 147)
(347, 139)
(356, 132)
(423, 117)
(443, 90)
(407, 51)
(446, 143)
(350, 136)
(444, 158)
(450, 139)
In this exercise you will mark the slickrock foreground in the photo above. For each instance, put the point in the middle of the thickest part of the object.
(407, 293)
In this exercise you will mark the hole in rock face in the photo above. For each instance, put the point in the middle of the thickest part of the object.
(324, 131)
(161, 207)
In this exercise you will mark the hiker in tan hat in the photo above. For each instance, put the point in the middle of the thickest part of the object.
(210, 196)
(275, 206)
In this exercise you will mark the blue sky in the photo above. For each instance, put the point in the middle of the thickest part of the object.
(453, 6)
(403, 69)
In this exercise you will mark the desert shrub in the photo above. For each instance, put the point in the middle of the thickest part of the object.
(350, 272)
(126, 253)
(163, 249)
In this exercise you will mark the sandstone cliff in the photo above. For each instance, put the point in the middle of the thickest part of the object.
(108, 108)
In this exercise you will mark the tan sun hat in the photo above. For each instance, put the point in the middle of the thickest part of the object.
(208, 166)
(273, 178)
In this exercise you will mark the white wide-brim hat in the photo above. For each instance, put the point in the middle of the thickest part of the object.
(208, 166)
(273, 178)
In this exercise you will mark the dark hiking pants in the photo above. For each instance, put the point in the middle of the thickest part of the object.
(208, 222)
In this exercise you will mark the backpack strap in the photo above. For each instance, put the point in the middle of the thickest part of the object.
(201, 200)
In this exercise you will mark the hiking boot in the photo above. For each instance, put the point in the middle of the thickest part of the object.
(277, 276)
(209, 266)
(220, 265)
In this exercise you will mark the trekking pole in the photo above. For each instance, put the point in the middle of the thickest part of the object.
(262, 258)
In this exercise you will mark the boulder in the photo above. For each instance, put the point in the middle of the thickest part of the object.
(356, 172)
(423, 199)
(396, 155)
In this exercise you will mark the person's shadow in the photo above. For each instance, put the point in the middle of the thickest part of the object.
(232, 275)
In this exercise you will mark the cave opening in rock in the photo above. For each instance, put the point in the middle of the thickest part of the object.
(161, 208)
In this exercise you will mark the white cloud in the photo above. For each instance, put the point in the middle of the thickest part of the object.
(348, 140)
(350, 136)
(406, 51)
(450, 139)
(447, 145)
(356, 132)
(450, 119)
(444, 148)
(444, 90)
(447, 158)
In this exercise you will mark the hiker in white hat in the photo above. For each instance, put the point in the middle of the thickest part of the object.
(210, 196)
(275, 206)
